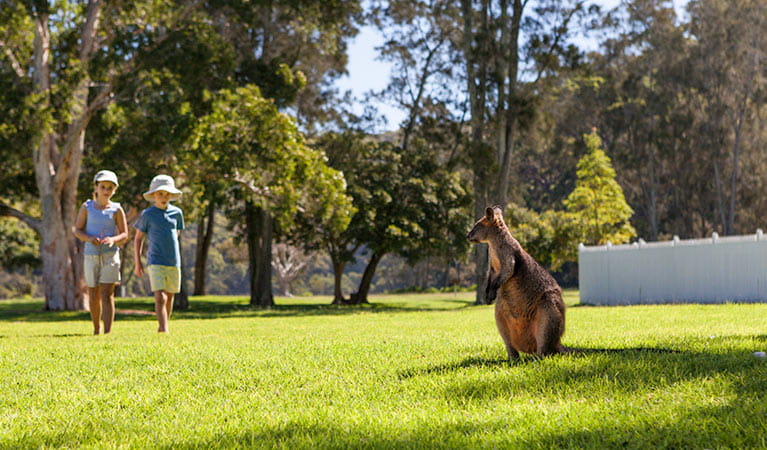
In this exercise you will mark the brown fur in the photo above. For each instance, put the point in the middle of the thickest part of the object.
(529, 310)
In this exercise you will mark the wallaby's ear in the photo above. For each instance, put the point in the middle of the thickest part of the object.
(489, 213)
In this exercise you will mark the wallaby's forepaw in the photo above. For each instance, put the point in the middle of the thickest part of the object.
(492, 289)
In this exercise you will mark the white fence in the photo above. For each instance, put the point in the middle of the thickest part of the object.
(713, 270)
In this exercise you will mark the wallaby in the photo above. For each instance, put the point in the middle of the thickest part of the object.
(529, 310)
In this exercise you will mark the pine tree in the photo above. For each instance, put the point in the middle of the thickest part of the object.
(597, 202)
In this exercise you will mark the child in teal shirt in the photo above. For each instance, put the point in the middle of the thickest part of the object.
(162, 224)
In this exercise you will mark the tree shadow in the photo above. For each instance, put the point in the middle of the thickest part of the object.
(467, 363)
(734, 421)
(624, 370)
(61, 335)
(143, 309)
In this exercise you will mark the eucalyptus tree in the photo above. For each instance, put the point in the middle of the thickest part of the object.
(502, 77)
(406, 203)
(292, 51)
(247, 142)
(730, 73)
(65, 60)
(304, 36)
(469, 56)
(642, 72)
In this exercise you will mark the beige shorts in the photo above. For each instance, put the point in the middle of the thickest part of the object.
(164, 278)
(102, 269)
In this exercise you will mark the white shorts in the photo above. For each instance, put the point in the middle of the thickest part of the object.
(102, 269)
(164, 278)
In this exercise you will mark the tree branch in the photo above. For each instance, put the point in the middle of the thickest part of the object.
(89, 31)
(104, 96)
(248, 184)
(14, 61)
(31, 222)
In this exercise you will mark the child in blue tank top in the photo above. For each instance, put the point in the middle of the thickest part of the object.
(162, 224)
(102, 226)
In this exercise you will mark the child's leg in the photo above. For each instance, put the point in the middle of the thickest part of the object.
(169, 304)
(95, 306)
(108, 305)
(160, 309)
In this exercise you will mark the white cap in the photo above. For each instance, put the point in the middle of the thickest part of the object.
(162, 183)
(105, 175)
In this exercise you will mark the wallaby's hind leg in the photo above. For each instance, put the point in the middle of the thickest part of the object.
(503, 328)
(551, 326)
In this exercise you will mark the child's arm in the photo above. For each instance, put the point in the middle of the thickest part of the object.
(79, 230)
(122, 230)
(138, 244)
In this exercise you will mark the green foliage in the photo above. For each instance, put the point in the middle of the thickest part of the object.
(407, 203)
(406, 371)
(247, 142)
(19, 245)
(550, 237)
(597, 204)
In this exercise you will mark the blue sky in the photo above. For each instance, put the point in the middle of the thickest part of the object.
(366, 73)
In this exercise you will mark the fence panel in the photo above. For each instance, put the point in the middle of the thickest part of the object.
(714, 270)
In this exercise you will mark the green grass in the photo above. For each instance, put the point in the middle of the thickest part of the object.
(407, 371)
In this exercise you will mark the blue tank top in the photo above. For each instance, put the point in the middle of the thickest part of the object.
(101, 223)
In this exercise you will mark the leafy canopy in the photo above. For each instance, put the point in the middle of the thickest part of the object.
(246, 141)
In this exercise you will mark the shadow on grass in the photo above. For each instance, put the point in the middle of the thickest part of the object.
(685, 430)
(617, 371)
(643, 377)
(143, 309)
(652, 412)
(63, 335)
(734, 421)
(458, 366)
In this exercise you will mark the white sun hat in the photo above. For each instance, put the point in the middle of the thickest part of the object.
(162, 183)
(105, 175)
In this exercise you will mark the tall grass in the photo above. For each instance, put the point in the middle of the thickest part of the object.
(407, 371)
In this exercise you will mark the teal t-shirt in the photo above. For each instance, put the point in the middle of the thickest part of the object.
(161, 227)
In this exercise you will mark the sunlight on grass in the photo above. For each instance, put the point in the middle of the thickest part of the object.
(413, 371)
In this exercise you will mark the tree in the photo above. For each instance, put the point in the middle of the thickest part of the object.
(66, 60)
(288, 262)
(407, 204)
(273, 173)
(730, 51)
(499, 98)
(597, 203)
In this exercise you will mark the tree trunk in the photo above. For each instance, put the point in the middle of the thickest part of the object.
(730, 228)
(181, 299)
(259, 237)
(507, 113)
(361, 296)
(719, 197)
(338, 273)
(490, 186)
(57, 160)
(204, 238)
(652, 196)
(62, 261)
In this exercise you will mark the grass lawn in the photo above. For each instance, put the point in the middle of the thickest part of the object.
(407, 371)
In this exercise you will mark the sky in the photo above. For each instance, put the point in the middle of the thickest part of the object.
(366, 73)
